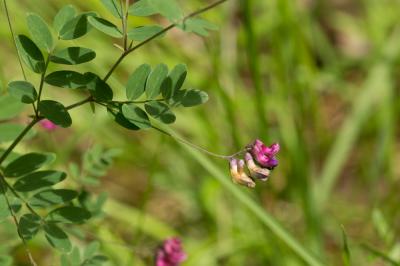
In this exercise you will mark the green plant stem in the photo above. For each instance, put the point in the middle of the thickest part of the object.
(130, 50)
(42, 81)
(3, 188)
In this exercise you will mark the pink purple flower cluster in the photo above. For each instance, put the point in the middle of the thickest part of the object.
(260, 161)
(170, 253)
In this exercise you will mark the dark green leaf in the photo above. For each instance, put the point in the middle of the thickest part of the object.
(40, 32)
(189, 98)
(144, 32)
(10, 107)
(120, 119)
(23, 91)
(57, 238)
(105, 26)
(137, 82)
(66, 79)
(160, 111)
(155, 80)
(142, 8)
(9, 132)
(167, 8)
(114, 7)
(30, 54)
(198, 26)
(29, 225)
(28, 163)
(174, 81)
(65, 14)
(55, 112)
(69, 214)
(76, 27)
(136, 116)
(52, 197)
(38, 180)
(98, 88)
(73, 56)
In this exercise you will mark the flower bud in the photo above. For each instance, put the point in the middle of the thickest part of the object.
(238, 175)
(255, 170)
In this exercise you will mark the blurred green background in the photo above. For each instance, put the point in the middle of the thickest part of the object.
(320, 77)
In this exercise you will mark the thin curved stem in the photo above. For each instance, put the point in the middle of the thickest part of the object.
(42, 80)
(225, 157)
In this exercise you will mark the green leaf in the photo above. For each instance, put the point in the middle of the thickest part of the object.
(137, 82)
(69, 214)
(160, 111)
(76, 27)
(143, 32)
(155, 80)
(65, 14)
(29, 225)
(97, 260)
(10, 107)
(55, 112)
(167, 8)
(142, 8)
(174, 81)
(38, 180)
(105, 26)
(66, 79)
(23, 91)
(120, 119)
(30, 54)
(98, 88)
(28, 163)
(57, 238)
(40, 32)
(198, 26)
(189, 98)
(91, 249)
(52, 197)
(9, 132)
(73, 56)
(346, 256)
(114, 7)
(136, 116)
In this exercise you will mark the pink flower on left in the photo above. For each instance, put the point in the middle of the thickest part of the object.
(170, 253)
(48, 125)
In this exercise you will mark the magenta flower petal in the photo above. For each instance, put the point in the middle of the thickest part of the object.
(265, 155)
(170, 253)
(47, 125)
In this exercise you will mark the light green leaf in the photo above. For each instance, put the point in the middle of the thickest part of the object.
(155, 80)
(91, 249)
(114, 7)
(50, 197)
(38, 180)
(10, 107)
(65, 14)
(69, 214)
(29, 225)
(40, 32)
(142, 8)
(174, 81)
(55, 112)
(137, 82)
(9, 132)
(136, 116)
(28, 163)
(30, 54)
(23, 91)
(143, 32)
(198, 26)
(97, 260)
(160, 111)
(57, 237)
(73, 56)
(167, 8)
(191, 98)
(98, 88)
(105, 26)
(76, 27)
(66, 79)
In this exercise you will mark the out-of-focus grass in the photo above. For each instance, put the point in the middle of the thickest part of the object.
(320, 77)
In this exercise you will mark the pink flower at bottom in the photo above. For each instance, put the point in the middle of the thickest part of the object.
(170, 253)
(47, 125)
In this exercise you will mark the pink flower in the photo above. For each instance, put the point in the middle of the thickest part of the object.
(47, 125)
(170, 253)
(265, 156)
